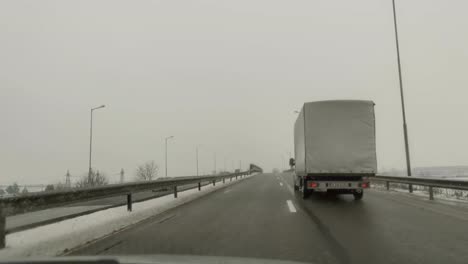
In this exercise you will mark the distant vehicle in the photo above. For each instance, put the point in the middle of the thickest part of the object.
(254, 168)
(334, 144)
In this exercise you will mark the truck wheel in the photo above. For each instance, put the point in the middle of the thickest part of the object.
(358, 195)
(305, 192)
(296, 188)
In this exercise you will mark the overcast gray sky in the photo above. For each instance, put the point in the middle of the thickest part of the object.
(225, 75)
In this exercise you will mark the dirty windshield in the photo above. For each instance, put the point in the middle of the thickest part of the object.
(222, 131)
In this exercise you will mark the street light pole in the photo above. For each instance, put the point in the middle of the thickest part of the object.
(166, 152)
(215, 163)
(197, 159)
(405, 129)
(91, 139)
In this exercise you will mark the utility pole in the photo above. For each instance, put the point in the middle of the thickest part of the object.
(67, 179)
(405, 128)
(122, 175)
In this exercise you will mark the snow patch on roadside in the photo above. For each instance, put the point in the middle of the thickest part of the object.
(54, 239)
(447, 195)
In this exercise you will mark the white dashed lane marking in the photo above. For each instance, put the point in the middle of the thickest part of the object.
(291, 206)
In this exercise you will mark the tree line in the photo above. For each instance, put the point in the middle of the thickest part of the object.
(147, 171)
(13, 189)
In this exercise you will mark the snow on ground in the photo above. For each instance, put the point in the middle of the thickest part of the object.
(445, 194)
(55, 239)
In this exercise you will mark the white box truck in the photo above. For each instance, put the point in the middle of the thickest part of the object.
(334, 144)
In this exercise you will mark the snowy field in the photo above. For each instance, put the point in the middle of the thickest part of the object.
(439, 193)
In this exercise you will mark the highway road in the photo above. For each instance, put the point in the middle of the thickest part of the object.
(262, 218)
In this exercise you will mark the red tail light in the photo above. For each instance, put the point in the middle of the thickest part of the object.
(365, 185)
(312, 184)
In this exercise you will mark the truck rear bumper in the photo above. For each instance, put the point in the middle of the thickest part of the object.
(323, 186)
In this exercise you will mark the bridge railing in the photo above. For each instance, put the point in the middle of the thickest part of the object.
(431, 183)
(39, 201)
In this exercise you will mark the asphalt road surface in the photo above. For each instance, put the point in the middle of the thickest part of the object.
(262, 218)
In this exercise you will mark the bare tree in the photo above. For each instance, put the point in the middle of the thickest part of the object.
(13, 189)
(147, 171)
(96, 179)
(62, 186)
(49, 188)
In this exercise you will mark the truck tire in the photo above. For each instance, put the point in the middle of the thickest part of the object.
(296, 188)
(305, 192)
(358, 195)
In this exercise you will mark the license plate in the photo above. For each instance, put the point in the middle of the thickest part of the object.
(338, 185)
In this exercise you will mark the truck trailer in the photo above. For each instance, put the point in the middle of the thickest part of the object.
(334, 146)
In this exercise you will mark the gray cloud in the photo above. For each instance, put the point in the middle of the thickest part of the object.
(226, 75)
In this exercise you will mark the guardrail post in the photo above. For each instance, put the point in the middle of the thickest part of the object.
(387, 183)
(2, 229)
(410, 187)
(175, 191)
(214, 182)
(236, 177)
(129, 202)
(199, 186)
(431, 193)
(224, 180)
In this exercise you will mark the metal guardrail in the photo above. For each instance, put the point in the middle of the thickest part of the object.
(44, 200)
(431, 183)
